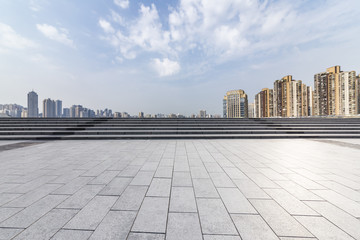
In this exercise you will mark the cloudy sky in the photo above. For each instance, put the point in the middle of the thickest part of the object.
(168, 56)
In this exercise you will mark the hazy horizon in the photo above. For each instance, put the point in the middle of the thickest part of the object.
(168, 57)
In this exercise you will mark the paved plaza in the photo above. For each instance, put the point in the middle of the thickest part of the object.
(180, 189)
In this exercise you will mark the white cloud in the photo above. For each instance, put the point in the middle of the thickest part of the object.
(219, 31)
(122, 3)
(106, 26)
(60, 35)
(144, 34)
(10, 39)
(165, 67)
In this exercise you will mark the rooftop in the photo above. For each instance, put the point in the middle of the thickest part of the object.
(180, 189)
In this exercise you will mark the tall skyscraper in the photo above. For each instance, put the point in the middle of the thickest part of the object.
(236, 104)
(32, 101)
(49, 108)
(335, 92)
(58, 108)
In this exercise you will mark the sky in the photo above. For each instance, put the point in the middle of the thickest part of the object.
(177, 56)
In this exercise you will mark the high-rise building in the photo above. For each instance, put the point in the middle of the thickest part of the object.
(290, 98)
(236, 104)
(335, 92)
(251, 110)
(348, 94)
(141, 114)
(49, 108)
(32, 101)
(264, 102)
(58, 108)
(66, 112)
(202, 114)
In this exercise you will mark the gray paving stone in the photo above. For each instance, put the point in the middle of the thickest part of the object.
(340, 201)
(214, 218)
(253, 227)
(199, 172)
(29, 186)
(142, 178)
(48, 225)
(345, 221)
(9, 233)
(279, 220)
(146, 236)
(322, 228)
(213, 167)
(235, 201)
(235, 173)
(73, 186)
(159, 187)
(221, 180)
(129, 171)
(291, 204)
(7, 197)
(341, 189)
(152, 215)
(182, 179)
(33, 196)
(116, 225)
(221, 237)
(105, 177)
(262, 181)
(81, 197)
(183, 226)
(164, 172)
(304, 182)
(204, 188)
(298, 191)
(65, 234)
(29, 215)
(250, 189)
(116, 187)
(92, 214)
(5, 213)
(131, 198)
(182, 200)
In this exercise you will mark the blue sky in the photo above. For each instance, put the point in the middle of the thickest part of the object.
(168, 56)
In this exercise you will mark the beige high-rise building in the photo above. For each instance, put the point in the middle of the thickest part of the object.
(348, 94)
(264, 102)
(48, 108)
(236, 104)
(335, 93)
(291, 98)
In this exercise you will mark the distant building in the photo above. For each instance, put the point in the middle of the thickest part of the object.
(335, 93)
(141, 115)
(58, 108)
(264, 103)
(117, 115)
(236, 104)
(202, 114)
(66, 112)
(49, 108)
(32, 101)
(251, 109)
(24, 113)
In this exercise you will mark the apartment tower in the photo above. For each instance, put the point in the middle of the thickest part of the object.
(32, 101)
(236, 104)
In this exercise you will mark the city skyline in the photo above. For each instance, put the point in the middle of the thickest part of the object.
(73, 51)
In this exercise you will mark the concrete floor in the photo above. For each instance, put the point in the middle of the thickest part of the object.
(192, 189)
